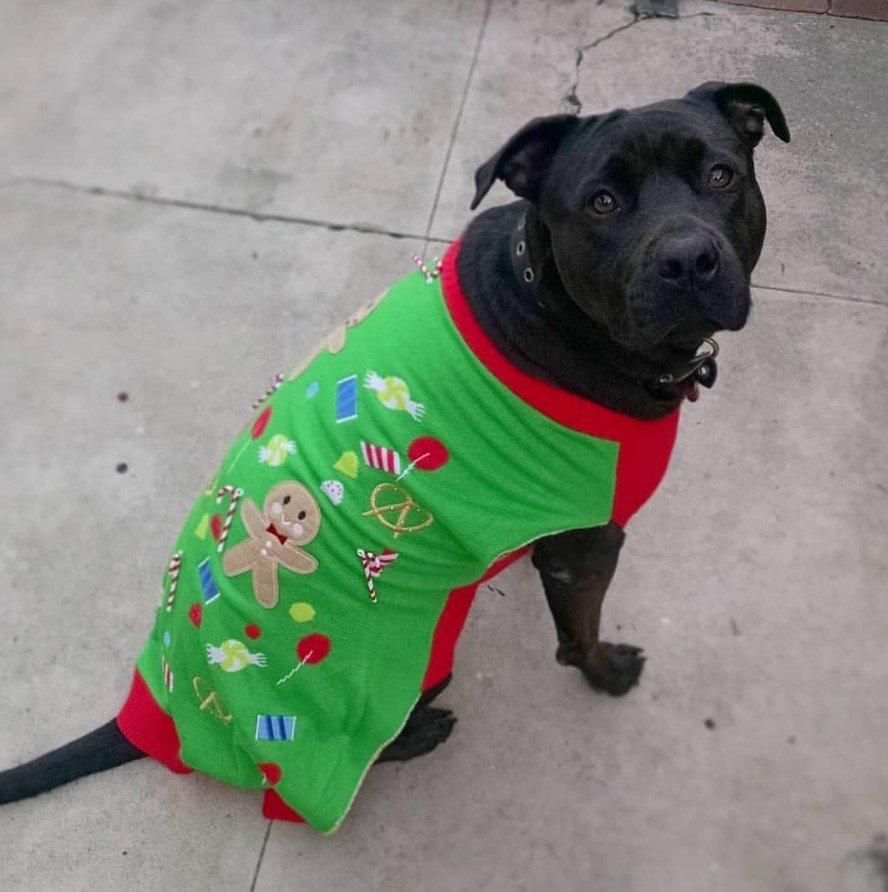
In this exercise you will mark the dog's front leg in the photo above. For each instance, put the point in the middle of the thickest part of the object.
(576, 568)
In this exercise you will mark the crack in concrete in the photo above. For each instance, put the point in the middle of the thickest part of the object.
(259, 217)
(571, 98)
(864, 299)
(456, 123)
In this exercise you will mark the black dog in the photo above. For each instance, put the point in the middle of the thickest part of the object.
(633, 243)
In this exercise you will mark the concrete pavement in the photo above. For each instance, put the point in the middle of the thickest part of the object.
(192, 194)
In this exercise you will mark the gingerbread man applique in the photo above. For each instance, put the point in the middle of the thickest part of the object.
(290, 518)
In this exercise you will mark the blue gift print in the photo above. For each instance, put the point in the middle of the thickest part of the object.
(347, 399)
(207, 583)
(275, 727)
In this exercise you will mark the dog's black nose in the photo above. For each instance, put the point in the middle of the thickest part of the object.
(690, 259)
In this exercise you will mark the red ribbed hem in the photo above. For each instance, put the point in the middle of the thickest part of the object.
(148, 728)
(276, 809)
(452, 620)
(645, 446)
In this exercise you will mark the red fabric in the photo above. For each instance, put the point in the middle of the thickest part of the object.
(641, 465)
(148, 728)
(452, 620)
(276, 809)
(645, 446)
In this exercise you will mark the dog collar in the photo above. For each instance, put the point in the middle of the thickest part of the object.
(701, 370)
(520, 253)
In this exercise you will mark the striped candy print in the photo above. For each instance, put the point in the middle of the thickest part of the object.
(381, 458)
(373, 565)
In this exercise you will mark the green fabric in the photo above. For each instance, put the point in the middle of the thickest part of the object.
(512, 476)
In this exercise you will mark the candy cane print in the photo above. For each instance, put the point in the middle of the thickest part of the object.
(173, 571)
(373, 565)
(167, 673)
(365, 561)
(430, 275)
(235, 492)
(278, 380)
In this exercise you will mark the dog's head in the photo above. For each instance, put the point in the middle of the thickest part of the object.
(653, 214)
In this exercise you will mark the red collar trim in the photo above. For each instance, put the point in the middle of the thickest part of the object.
(569, 409)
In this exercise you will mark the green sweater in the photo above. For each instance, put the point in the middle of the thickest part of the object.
(298, 619)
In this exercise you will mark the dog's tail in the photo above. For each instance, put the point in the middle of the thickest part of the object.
(104, 748)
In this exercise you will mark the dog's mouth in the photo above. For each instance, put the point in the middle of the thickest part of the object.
(660, 339)
(675, 315)
(680, 343)
(674, 328)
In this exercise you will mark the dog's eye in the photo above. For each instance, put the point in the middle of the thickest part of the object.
(301, 515)
(720, 176)
(286, 500)
(603, 203)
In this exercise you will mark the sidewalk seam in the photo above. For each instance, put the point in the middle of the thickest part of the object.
(865, 300)
(458, 120)
(261, 856)
(257, 216)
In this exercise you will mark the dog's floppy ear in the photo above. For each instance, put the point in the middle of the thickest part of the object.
(523, 160)
(747, 107)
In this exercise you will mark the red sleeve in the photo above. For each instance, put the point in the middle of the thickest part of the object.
(641, 465)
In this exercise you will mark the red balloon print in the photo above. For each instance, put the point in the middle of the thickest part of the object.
(216, 526)
(428, 453)
(252, 631)
(261, 423)
(195, 614)
(313, 648)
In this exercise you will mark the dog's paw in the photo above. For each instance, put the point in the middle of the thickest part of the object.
(427, 727)
(613, 668)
